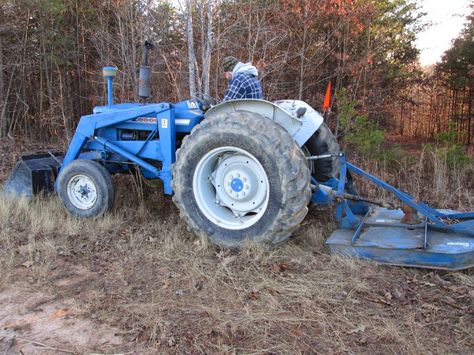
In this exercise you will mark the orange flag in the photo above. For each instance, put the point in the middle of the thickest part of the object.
(327, 98)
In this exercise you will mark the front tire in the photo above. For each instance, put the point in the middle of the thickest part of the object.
(86, 189)
(239, 176)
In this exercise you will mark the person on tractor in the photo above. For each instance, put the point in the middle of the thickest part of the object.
(242, 78)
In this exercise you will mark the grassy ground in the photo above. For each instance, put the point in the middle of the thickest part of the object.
(156, 288)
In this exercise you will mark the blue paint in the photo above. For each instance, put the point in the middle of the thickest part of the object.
(109, 74)
(445, 239)
(321, 197)
(99, 136)
(402, 246)
(237, 185)
(110, 96)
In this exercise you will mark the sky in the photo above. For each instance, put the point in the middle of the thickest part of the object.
(447, 17)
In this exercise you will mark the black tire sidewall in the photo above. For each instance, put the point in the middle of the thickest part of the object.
(320, 143)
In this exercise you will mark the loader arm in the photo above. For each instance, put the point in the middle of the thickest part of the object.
(88, 126)
(90, 123)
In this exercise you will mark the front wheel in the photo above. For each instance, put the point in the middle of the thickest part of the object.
(239, 176)
(85, 187)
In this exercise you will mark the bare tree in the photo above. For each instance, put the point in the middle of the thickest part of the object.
(206, 45)
(191, 52)
(3, 123)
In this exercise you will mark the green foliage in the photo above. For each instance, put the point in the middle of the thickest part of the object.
(395, 28)
(390, 39)
(357, 129)
(457, 61)
(346, 109)
(448, 137)
(450, 151)
(364, 137)
(396, 157)
(54, 7)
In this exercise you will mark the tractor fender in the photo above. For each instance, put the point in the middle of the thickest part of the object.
(282, 112)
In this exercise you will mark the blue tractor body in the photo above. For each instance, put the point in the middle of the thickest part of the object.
(117, 137)
(131, 133)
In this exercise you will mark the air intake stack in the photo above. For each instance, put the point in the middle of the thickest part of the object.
(109, 74)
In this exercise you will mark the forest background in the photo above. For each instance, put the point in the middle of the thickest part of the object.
(384, 102)
(51, 54)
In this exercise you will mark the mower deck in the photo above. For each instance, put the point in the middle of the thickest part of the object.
(382, 237)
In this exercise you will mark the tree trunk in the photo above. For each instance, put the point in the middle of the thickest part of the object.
(469, 117)
(206, 63)
(302, 61)
(191, 52)
(3, 103)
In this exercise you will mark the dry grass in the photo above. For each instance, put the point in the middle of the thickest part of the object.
(426, 177)
(170, 292)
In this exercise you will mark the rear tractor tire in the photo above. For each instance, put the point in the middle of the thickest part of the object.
(323, 142)
(86, 189)
(240, 177)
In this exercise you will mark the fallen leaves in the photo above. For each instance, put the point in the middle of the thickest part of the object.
(360, 329)
(280, 267)
(27, 264)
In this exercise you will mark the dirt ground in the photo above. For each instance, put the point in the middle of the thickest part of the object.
(136, 281)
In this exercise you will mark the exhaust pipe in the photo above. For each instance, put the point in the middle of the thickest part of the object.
(145, 73)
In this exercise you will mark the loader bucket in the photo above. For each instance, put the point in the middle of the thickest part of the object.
(33, 174)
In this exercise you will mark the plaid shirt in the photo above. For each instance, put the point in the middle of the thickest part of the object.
(244, 86)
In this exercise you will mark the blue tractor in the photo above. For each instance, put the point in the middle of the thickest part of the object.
(242, 170)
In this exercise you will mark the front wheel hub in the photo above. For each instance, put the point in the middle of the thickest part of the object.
(82, 192)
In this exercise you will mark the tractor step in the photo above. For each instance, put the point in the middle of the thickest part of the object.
(385, 239)
(33, 174)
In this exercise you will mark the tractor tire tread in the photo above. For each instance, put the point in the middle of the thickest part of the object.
(288, 157)
(324, 142)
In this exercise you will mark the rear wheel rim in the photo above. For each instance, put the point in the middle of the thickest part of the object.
(82, 192)
(231, 188)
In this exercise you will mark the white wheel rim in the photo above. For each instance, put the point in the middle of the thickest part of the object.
(231, 188)
(82, 192)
